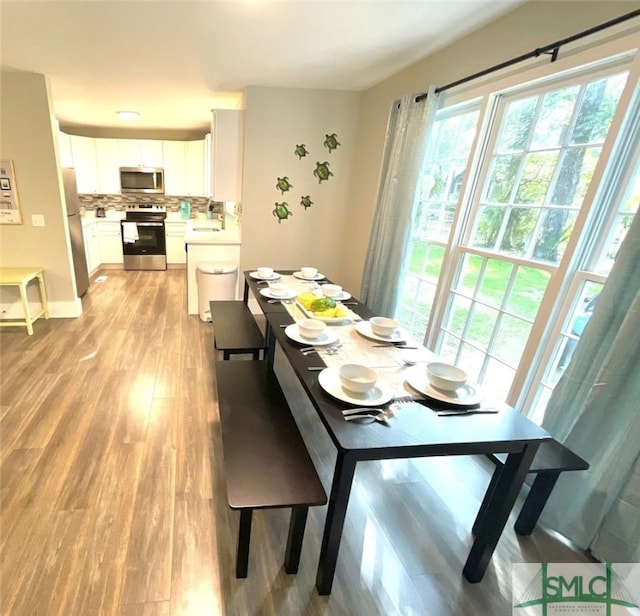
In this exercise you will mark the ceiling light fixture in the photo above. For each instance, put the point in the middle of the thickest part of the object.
(129, 115)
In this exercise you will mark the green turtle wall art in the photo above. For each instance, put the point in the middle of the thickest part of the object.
(306, 202)
(322, 171)
(331, 142)
(282, 211)
(283, 184)
(301, 151)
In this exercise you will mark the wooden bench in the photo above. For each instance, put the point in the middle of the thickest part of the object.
(551, 459)
(234, 329)
(266, 462)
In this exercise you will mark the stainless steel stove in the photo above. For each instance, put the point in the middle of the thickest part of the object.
(143, 237)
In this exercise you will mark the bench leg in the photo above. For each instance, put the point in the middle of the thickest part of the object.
(535, 501)
(244, 537)
(294, 541)
(226, 355)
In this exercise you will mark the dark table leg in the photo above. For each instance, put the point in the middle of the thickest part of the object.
(487, 499)
(270, 345)
(492, 522)
(245, 294)
(536, 500)
(334, 523)
(244, 538)
(294, 540)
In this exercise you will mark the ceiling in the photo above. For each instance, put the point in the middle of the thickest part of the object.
(174, 61)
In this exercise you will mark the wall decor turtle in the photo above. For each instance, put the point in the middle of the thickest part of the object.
(331, 142)
(322, 171)
(301, 151)
(282, 211)
(306, 202)
(283, 184)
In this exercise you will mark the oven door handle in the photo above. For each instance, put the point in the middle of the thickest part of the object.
(147, 224)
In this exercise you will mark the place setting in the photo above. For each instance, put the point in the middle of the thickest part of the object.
(265, 274)
(312, 332)
(278, 291)
(355, 384)
(448, 386)
(310, 274)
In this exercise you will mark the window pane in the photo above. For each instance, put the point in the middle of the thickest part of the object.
(554, 118)
(503, 178)
(495, 281)
(517, 125)
(481, 323)
(488, 227)
(518, 232)
(526, 294)
(458, 315)
(513, 334)
(597, 108)
(536, 177)
(629, 205)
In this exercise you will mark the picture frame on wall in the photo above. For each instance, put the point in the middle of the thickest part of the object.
(10, 213)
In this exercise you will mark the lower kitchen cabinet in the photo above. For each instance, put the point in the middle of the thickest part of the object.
(174, 232)
(110, 241)
(91, 247)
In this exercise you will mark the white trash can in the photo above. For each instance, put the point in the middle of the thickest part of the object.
(215, 281)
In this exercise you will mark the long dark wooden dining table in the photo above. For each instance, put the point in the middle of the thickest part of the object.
(413, 432)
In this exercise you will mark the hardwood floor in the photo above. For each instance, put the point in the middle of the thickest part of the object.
(112, 487)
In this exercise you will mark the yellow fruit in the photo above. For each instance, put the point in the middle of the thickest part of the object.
(306, 299)
(341, 311)
(327, 314)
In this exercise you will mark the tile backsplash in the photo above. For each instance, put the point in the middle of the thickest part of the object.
(120, 202)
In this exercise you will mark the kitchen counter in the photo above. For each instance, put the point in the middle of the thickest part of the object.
(209, 232)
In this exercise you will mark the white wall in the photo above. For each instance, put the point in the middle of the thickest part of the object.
(28, 138)
(276, 120)
(526, 28)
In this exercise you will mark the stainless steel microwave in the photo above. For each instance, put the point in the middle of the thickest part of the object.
(142, 180)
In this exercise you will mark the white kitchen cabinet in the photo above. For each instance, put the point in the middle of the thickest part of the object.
(194, 168)
(227, 154)
(174, 233)
(64, 146)
(107, 166)
(85, 163)
(91, 247)
(110, 241)
(140, 153)
(174, 167)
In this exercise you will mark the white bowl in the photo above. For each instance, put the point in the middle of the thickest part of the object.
(311, 328)
(383, 326)
(331, 290)
(308, 272)
(265, 272)
(356, 378)
(278, 289)
(446, 376)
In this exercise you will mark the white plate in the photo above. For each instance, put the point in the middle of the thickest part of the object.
(329, 380)
(340, 297)
(468, 395)
(328, 320)
(257, 276)
(328, 336)
(267, 293)
(364, 328)
(318, 276)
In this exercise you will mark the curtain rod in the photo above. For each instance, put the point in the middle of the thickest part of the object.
(552, 49)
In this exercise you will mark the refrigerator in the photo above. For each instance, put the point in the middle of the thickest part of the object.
(75, 231)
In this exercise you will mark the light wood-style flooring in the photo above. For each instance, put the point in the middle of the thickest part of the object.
(112, 485)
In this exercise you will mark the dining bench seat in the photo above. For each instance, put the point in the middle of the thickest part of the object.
(266, 463)
(235, 330)
(551, 459)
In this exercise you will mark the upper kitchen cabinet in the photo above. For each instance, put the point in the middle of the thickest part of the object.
(66, 156)
(140, 153)
(108, 164)
(85, 163)
(227, 151)
(184, 168)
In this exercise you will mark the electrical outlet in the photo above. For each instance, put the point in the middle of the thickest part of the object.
(37, 220)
